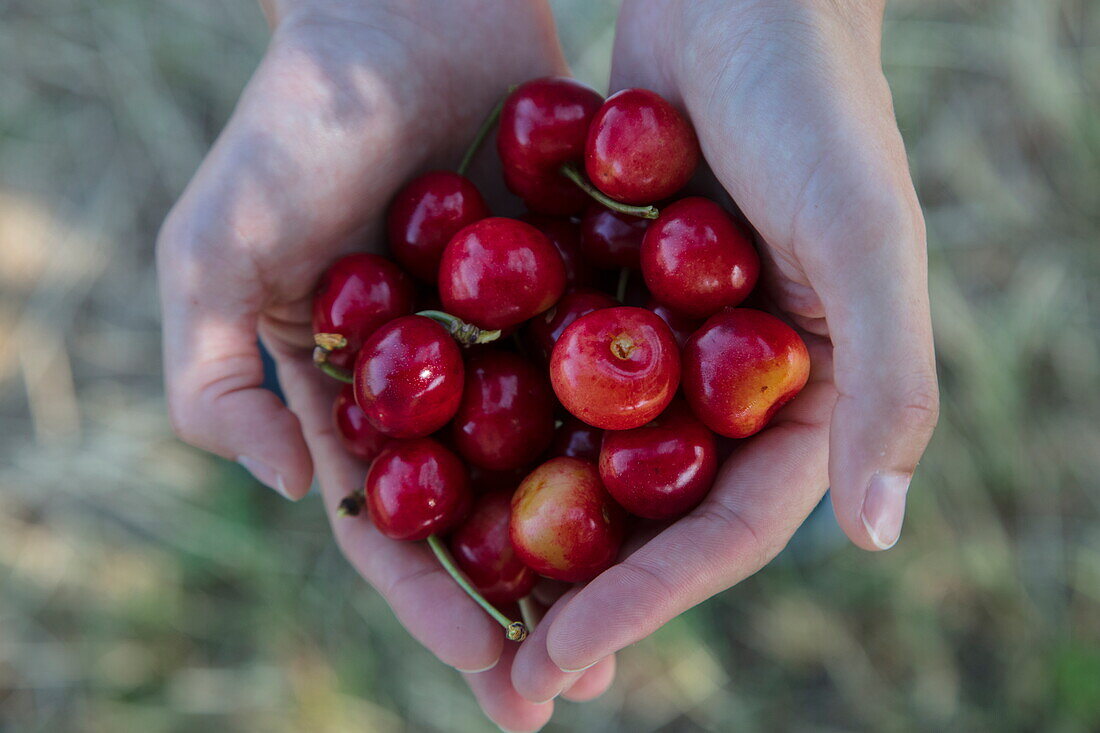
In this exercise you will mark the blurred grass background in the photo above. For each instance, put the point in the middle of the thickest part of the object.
(146, 586)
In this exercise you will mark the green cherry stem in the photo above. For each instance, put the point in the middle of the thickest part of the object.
(483, 132)
(463, 332)
(620, 290)
(337, 373)
(570, 171)
(514, 630)
(529, 611)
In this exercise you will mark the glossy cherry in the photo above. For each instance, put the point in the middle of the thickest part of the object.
(409, 377)
(564, 524)
(356, 433)
(740, 368)
(611, 240)
(616, 368)
(356, 295)
(482, 547)
(499, 272)
(681, 326)
(416, 488)
(697, 259)
(426, 214)
(506, 417)
(663, 469)
(544, 330)
(640, 149)
(565, 235)
(577, 439)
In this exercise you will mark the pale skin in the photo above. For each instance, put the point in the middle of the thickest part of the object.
(354, 98)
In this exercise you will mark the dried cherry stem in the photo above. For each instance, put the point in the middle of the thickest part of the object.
(514, 630)
(325, 344)
(482, 133)
(463, 332)
(570, 171)
(352, 504)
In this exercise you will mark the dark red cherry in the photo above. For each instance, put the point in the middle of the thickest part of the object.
(545, 192)
(611, 240)
(483, 549)
(697, 259)
(416, 488)
(640, 149)
(564, 524)
(355, 431)
(543, 331)
(357, 294)
(566, 236)
(499, 272)
(408, 377)
(681, 326)
(663, 469)
(424, 216)
(577, 439)
(740, 368)
(616, 368)
(506, 417)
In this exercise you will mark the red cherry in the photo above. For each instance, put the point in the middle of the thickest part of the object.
(611, 240)
(662, 469)
(499, 272)
(357, 294)
(416, 488)
(697, 259)
(640, 149)
(681, 326)
(577, 439)
(544, 330)
(741, 367)
(408, 377)
(564, 524)
(483, 549)
(545, 192)
(424, 216)
(355, 431)
(506, 418)
(566, 237)
(616, 368)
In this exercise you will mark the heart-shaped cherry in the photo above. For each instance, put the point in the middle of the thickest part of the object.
(416, 488)
(426, 214)
(740, 368)
(499, 272)
(610, 239)
(544, 330)
(565, 235)
(640, 148)
(564, 524)
(355, 431)
(577, 439)
(408, 377)
(663, 469)
(697, 260)
(482, 547)
(616, 368)
(681, 326)
(356, 295)
(506, 417)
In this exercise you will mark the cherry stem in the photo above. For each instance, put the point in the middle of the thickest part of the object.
(570, 171)
(482, 132)
(514, 630)
(530, 612)
(624, 278)
(352, 504)
(463, 332)
(337, 373)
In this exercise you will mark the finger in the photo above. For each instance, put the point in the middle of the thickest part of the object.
(762, 494)
(534, 674)
(504, 706)
(424, 598)
(593, 682)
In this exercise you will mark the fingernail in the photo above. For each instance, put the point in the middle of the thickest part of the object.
(884, 507)
(476, 671)
(574, 671)
(265, 474)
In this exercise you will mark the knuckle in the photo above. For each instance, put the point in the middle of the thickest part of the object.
(918, 406)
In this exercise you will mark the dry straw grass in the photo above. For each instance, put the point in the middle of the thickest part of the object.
(148, 587)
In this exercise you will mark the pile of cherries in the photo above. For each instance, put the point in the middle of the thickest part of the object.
(518, 391)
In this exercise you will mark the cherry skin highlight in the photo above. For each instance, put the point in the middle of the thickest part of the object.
(356, 295)
(640, 149)
(409, 377)
(611, 240)
(506, 417)
(697, 260)
(740, 368)
(681, 326)
(616, 368)
(426, 214)
(482, 547)
(355, 431)
(564, 524)
(544, 330)
(577, 439)
(663, 469)
(566, 237)
(500, 272)
(416, 488)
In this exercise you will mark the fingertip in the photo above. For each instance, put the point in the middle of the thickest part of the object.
(593, 683)
(508, 710)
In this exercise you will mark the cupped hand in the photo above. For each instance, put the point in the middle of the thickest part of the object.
(351, 100)
(795, 120)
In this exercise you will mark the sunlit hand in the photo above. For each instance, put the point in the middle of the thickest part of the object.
(795, 119)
